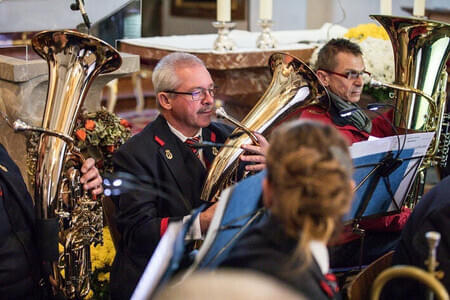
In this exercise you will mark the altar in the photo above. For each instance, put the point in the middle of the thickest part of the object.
(242, 75)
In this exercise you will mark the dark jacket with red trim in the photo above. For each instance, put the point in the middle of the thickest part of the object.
(266, 248)
(19, 264)
(177, 176)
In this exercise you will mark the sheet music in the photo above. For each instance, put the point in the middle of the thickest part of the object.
(367, 154)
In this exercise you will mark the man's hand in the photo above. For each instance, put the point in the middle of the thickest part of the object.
(205, 218)
(256, 154)
(91, 178)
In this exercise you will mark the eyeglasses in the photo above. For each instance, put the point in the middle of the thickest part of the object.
(198, 94)
(351, 75)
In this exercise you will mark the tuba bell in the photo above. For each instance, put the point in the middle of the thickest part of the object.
(421, 49)
(65, 213)
(294, 85)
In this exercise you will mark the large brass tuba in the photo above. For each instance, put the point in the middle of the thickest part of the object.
(65, 213)
(294, 85)
(421, 49)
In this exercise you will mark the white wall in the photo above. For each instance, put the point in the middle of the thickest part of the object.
(35, 15)
(287, 15)
(350, 13)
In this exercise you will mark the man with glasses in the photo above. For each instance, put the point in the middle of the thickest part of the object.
(340, 68)
(164, 155)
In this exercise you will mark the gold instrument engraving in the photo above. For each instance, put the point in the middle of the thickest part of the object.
(74, 60)
(294, 85)
(430, 278)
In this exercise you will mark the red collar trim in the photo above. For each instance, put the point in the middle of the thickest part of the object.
(159, 141)
(213, 137)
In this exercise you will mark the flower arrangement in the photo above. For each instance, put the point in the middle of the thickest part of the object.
(363, 31)
(98, 134)
(101, 258)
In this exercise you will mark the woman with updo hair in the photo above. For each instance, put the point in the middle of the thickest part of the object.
(307, 190)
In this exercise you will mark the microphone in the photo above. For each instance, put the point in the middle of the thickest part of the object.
(207, 144)
(79, 5)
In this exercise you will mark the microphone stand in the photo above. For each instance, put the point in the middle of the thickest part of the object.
(79, 5)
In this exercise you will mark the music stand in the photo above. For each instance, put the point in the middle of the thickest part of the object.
(384, 174)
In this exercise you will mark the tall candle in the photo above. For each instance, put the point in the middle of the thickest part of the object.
(265, 9)
(419, 8)
(223, 10)
(386, 7)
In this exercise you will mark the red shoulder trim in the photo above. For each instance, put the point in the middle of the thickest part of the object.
(159, 141)
(213, 137)
(163, 226)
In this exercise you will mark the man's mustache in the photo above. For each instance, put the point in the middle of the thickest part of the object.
(204, 109)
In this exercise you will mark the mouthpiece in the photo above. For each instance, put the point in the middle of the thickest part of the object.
(20, 125)
(222, 114)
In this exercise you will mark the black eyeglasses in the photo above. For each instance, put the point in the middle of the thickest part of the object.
(198, 94)
(350, 75)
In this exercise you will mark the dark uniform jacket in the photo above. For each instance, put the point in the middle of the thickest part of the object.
(19, 266)
(177, 176)
(432, 213)
(266, 248)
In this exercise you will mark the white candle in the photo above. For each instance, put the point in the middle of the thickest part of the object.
(386, 7)
(265, 9)
(419, 8)
(223, 10)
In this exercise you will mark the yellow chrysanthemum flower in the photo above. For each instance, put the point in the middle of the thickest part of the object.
(363, 31)
(103, 276)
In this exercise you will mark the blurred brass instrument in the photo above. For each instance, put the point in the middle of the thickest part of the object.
(294, 85)
(430, 278)
(421, 49)
(66, 214)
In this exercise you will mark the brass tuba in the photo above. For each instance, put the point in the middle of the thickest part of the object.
(421, 49)
(65, 213)
(294, 85)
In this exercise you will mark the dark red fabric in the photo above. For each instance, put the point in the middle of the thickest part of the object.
(329, 285)
(159, 141)
(380, 128)
(193, 141)
(163, 226)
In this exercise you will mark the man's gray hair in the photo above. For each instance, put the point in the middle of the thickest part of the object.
(164, 75)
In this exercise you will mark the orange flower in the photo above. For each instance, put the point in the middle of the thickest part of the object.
(110, 148)
(125, 123)
(81, 134)
(89, 124)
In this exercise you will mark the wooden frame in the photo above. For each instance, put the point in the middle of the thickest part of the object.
(206, 9)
